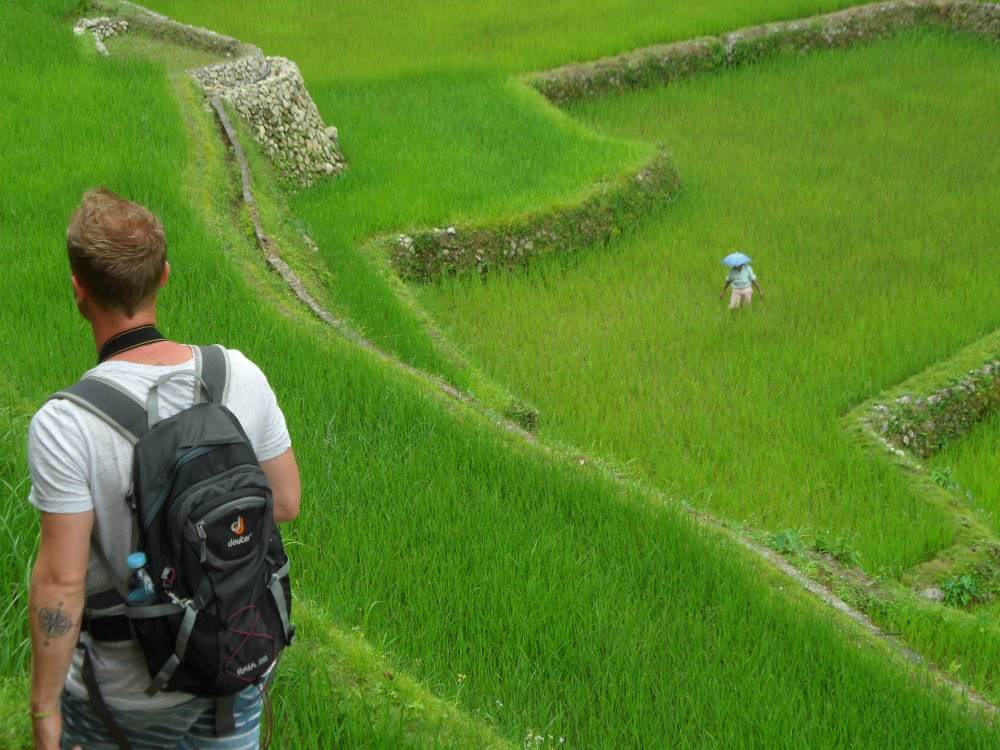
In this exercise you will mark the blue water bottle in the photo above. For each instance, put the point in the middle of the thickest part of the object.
(140, 586)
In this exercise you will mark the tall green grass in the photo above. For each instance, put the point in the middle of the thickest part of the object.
(384, 38)
(412, 164)
(18, 530)
(541, 598)
(973, 463)
(865, 185)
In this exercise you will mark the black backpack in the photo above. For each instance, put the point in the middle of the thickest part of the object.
(203, 513)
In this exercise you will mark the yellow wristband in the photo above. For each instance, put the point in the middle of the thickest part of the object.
(44, 714)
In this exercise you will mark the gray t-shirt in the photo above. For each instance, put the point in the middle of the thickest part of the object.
(78, 462)
(742, 277)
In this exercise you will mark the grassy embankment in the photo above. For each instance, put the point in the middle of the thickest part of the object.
(564, 605)
(970, 467)
(974, 464)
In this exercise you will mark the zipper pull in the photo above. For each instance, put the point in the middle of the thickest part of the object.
(200, 527)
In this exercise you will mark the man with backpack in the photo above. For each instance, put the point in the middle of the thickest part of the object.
(159, 598)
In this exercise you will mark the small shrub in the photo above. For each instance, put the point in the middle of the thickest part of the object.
(942, 477)
(523, 415)
(786, 541)
(960, 591)
(841, 548)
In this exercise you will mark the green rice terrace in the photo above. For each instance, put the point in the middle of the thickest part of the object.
(555, 494)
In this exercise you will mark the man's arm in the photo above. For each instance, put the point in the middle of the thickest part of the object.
(283, 475)
(757, 287)
(55, 609)
(725, 286)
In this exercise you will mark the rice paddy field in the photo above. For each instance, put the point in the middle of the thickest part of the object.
(973, 463)
(870, 205)
(435, 126)
(456, 587)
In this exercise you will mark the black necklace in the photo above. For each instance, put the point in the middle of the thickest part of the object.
(125, 341)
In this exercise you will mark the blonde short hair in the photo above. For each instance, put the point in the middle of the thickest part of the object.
(117, 249)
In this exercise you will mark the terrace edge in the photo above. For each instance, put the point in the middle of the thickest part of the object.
(914, 420)
(924, 424)
(604, 212)
(662, 64)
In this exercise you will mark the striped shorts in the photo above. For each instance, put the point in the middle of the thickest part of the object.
(190, 726)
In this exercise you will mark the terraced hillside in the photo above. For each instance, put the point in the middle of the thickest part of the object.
(458, 585)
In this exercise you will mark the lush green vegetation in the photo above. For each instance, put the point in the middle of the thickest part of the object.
(870, 210)
(394, 38)
(541, 598)
(972, 466)
(434, 127)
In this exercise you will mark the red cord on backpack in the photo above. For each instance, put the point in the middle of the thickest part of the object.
(247, 635)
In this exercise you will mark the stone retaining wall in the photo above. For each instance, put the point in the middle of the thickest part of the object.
(924, 424)
(661, 64)
(612, 207)
(100, 29)
(161, 27)
(215, 79)
(268, 94)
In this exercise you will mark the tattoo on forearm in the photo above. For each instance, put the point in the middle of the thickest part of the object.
(54, 623)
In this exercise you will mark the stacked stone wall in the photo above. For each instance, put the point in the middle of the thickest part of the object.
(609, 209)
(159, 26)
(267, 93)
(923, 424)
(100, 29)
(661, 64)
(215, 79)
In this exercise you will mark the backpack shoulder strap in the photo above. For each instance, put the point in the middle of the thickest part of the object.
(106, 402)
(122, 412)
(212, 365)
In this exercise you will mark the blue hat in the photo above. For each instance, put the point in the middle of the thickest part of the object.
(736, 259)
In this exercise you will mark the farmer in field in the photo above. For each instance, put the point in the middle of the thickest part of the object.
(100, 694)
(742, 279)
